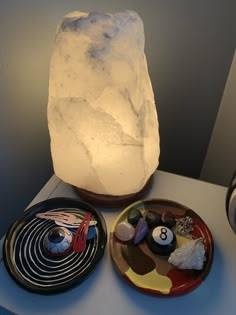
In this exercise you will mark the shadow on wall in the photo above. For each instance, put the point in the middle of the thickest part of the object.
(220, 162)
(25, 159)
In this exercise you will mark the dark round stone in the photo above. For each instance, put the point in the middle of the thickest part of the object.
(56, 235)
(134, 216)
(152, 218)
(168, 219)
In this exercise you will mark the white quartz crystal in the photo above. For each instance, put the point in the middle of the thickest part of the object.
(101, 111)
(190, 255)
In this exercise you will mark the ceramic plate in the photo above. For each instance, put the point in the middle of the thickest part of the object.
(151, 272)
(31, 266)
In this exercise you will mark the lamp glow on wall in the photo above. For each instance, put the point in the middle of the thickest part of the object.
(101, 111)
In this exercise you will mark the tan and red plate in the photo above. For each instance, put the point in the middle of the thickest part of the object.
(150, 272)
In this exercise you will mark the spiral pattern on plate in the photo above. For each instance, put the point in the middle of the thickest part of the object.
(36, 266)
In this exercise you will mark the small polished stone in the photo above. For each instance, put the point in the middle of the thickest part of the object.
(168, 219)
(152, 218)
(141, 231)
(134, 216)
(124, 231)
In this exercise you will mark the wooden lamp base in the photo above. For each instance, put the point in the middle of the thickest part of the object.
(112, 201)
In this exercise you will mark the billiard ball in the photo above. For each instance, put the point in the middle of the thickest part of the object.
(161, 240)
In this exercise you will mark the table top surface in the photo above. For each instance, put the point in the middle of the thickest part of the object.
(105, 292)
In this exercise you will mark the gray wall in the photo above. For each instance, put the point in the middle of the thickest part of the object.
(220, 161)
(189, 48)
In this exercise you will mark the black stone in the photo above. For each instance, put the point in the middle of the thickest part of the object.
(134, 216)
(153, 219)
(168, 219)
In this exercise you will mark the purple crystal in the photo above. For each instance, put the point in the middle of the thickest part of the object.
(140, 231)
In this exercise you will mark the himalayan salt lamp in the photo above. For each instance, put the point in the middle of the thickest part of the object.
(102, 116)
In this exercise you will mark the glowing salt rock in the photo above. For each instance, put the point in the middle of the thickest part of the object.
(101, 111)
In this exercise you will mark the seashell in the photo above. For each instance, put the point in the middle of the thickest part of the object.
(189, 256)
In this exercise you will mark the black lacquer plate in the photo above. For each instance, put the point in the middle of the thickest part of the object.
(31, 266)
